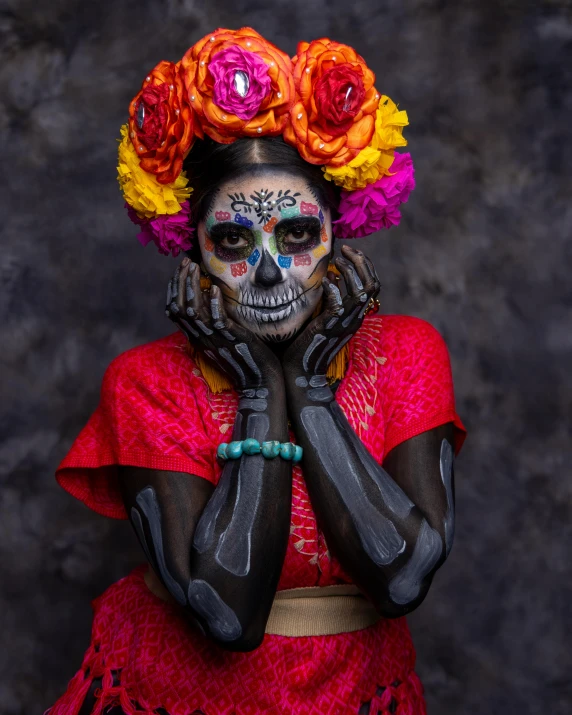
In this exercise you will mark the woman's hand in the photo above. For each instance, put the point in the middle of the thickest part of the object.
(234, 350)
(313, 350)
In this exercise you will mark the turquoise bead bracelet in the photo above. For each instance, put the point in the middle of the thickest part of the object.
(269, 450)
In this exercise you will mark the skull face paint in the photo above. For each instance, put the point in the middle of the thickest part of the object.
(270, 256)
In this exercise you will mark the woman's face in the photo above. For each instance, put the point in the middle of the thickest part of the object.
(266, 242)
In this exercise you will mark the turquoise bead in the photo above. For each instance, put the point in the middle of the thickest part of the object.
(270, 449)
(221, 450)
(251, 446)
(298, 451)
(287, 450)
(234, 450)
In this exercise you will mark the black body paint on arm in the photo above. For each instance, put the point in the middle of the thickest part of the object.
(391, 533)
(219, 551)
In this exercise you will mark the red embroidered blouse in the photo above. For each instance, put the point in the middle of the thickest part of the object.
(157, 411)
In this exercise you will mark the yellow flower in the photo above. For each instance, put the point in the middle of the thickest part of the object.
(375, 160)
(389, 123)
(141, 190)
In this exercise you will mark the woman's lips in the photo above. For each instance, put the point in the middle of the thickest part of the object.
(271, 300)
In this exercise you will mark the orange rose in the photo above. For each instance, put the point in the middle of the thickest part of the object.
(161, 123)
(334, 118)
(239, 84)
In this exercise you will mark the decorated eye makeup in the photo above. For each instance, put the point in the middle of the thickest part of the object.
(232, 242)
(297, 235)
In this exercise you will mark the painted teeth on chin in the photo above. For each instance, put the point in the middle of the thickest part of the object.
(253, 315)
(260, 300)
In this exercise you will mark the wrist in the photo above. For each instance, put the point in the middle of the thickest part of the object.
(307, 389)
(272, 380)
(273, 390)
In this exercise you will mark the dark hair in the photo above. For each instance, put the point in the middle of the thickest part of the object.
(209, 164)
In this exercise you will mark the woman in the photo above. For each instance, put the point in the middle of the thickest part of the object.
(286, 458)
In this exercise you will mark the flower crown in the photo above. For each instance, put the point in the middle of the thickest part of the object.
(235, 84)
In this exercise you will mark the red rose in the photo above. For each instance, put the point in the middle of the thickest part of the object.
(339, 94)
(161, 123)
(153, 99)
(334, 117)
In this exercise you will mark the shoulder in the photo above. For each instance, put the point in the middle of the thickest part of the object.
(163, 366)
(156, 358)
(404, 337)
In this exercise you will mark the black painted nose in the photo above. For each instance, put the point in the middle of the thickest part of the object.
(267, 274)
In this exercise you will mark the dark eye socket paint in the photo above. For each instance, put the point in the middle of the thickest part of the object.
(297, 235)
(232, 242)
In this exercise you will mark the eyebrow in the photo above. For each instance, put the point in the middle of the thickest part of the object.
(296, 220)
(220, 225)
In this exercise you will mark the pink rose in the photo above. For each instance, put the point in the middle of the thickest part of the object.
(241, 81)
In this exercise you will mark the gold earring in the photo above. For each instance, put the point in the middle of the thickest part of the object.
(372, 306)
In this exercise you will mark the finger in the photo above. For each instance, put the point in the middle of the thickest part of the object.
(218, 311)
(193, 293)
(169, 293)
(169, 298)
(376, 282)
(360, 262)
(333, 303)
(186, 326)
(171, 308)
(181, 285)
(375, 277)
(199, 311)
(190, 292)
(333, 307)
(354, 284)
(174, 289)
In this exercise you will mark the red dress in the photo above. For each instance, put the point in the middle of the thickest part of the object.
(157, 411)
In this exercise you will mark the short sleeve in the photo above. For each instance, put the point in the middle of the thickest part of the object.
(149, 415)
(420, 388)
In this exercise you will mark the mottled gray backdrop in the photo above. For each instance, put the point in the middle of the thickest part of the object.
(483, 252)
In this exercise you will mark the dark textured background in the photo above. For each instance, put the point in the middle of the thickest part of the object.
(482, 253)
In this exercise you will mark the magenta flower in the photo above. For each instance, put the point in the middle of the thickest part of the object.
(171, 233)
(241, 81)
(376, 206)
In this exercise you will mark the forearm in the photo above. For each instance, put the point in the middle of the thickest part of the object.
(219, 552)
(379, 535)
(223, 555)
(240, 541)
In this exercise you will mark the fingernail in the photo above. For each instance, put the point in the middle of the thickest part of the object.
(186, 261)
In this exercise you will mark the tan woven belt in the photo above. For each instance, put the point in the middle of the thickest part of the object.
(298, 612)
(320, 611)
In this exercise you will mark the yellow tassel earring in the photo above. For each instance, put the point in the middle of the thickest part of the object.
(332, 268)
(206, 283)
